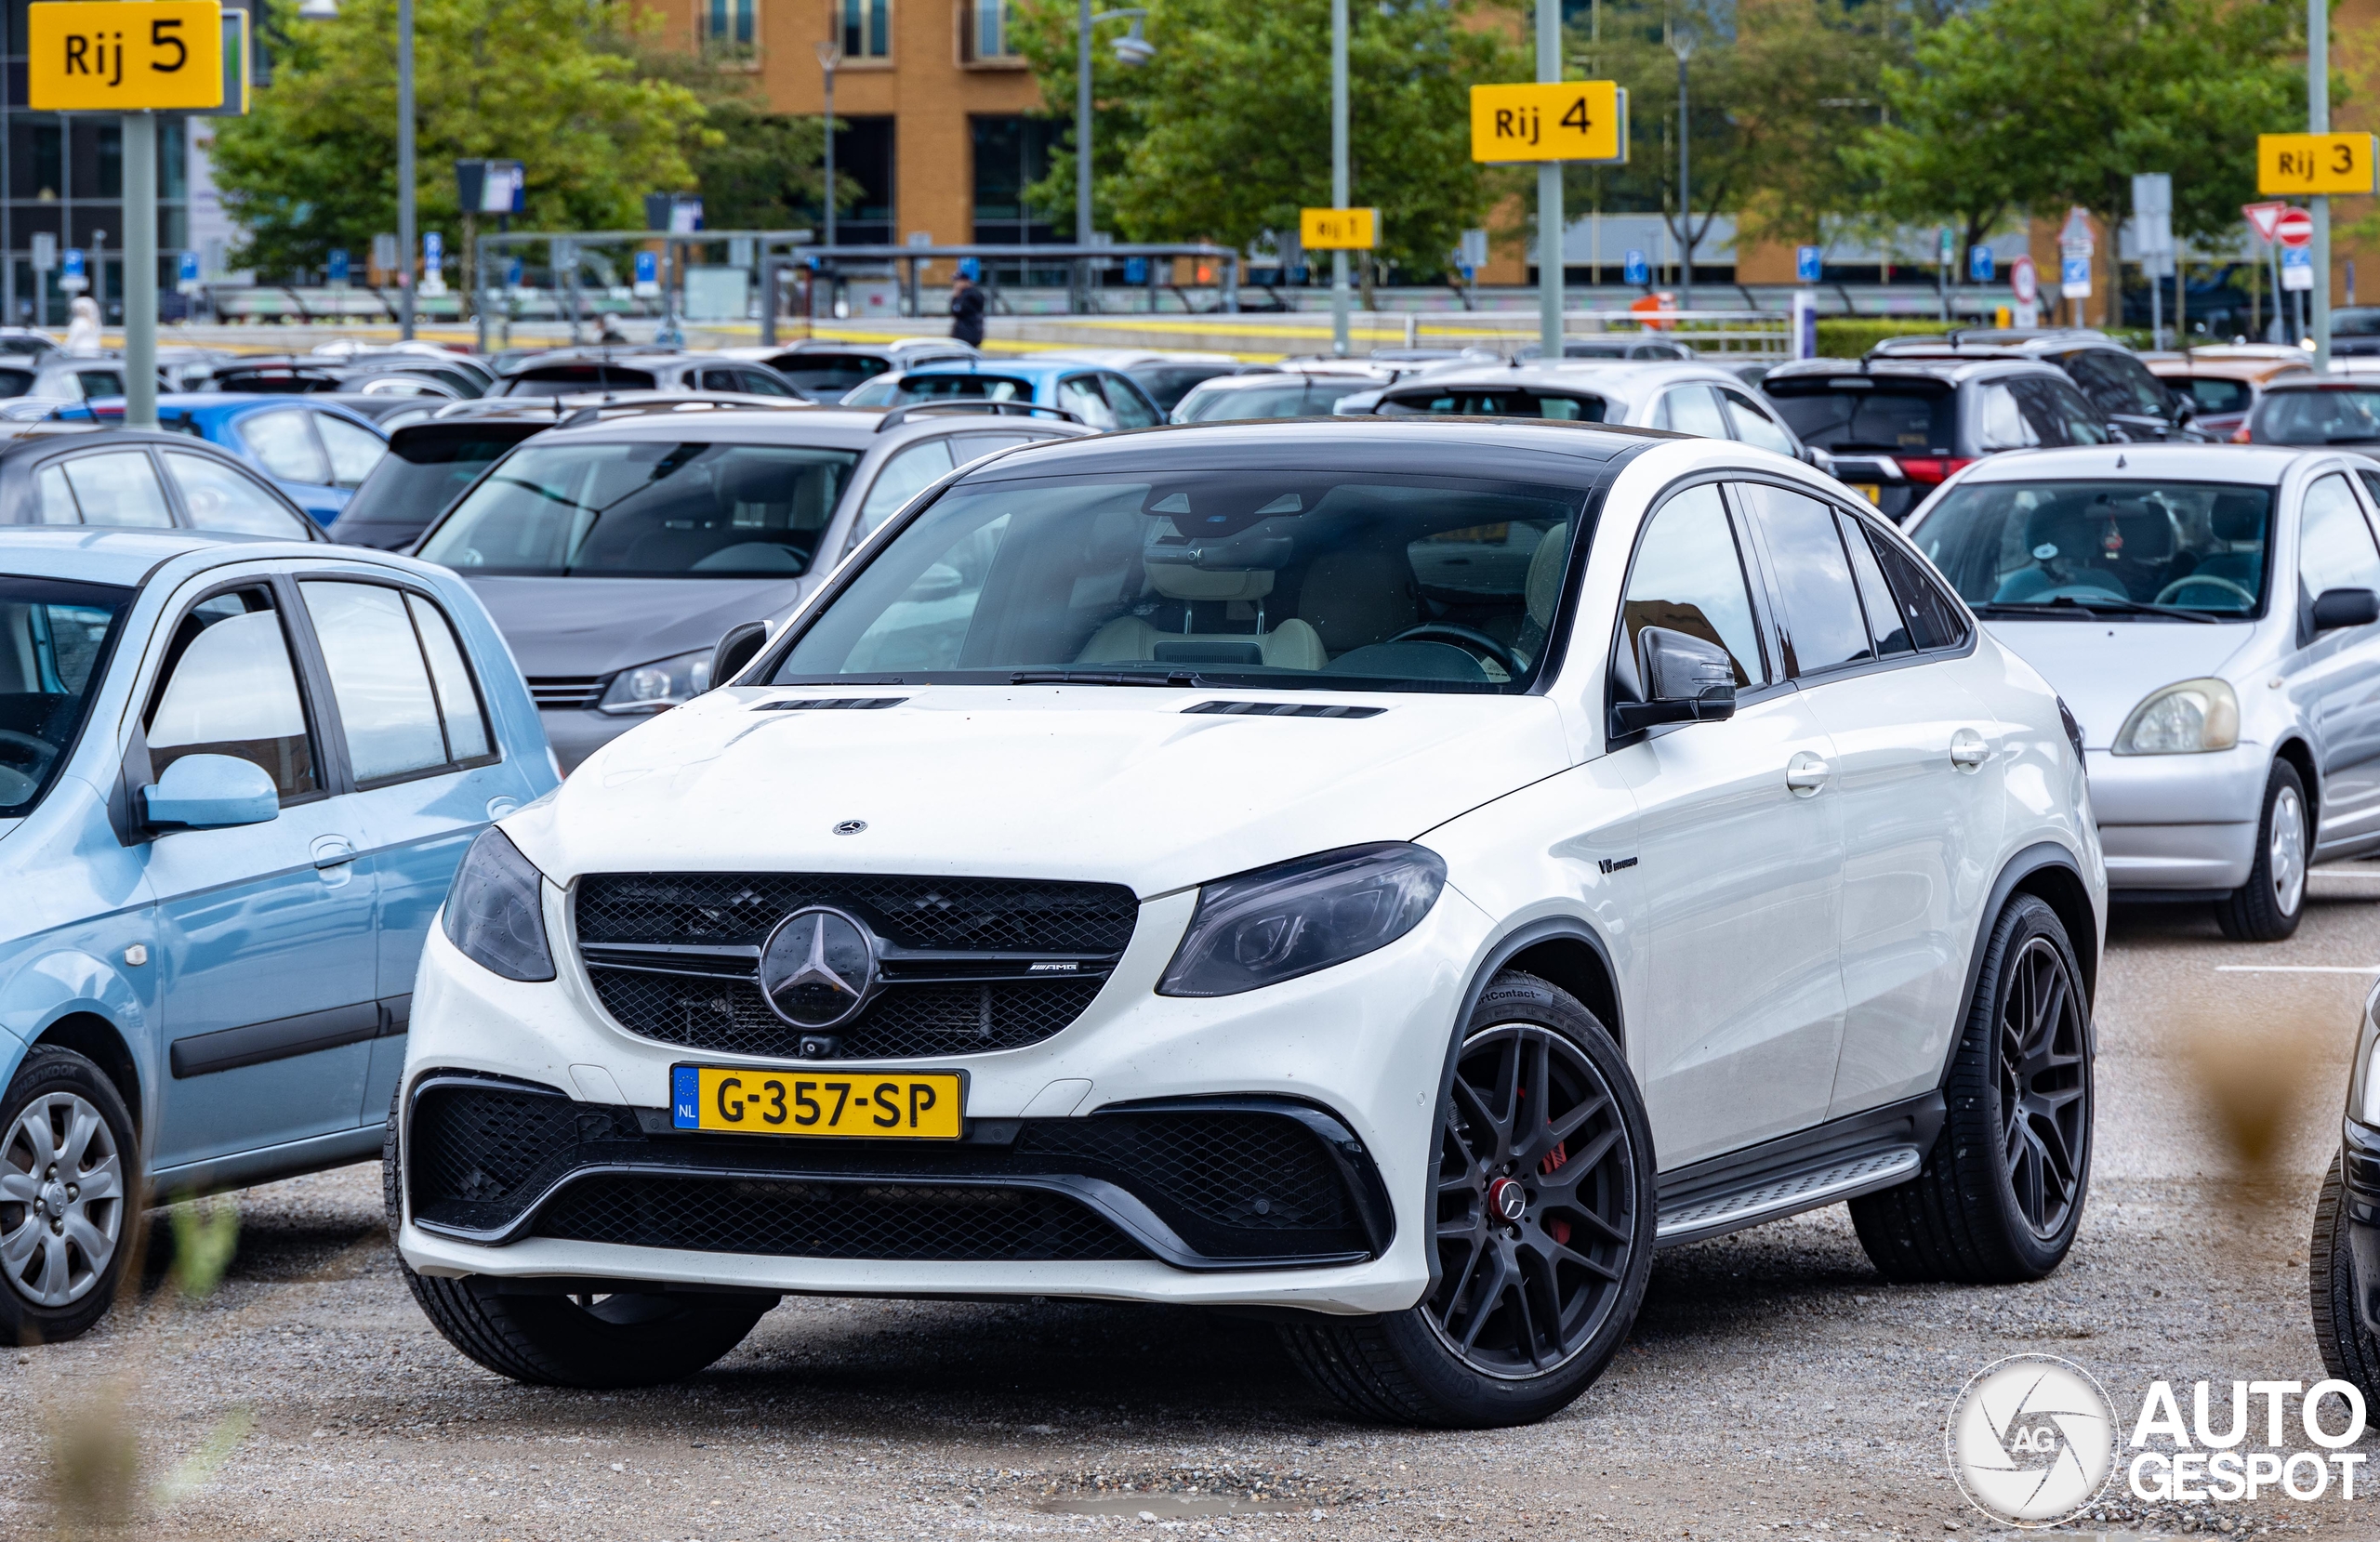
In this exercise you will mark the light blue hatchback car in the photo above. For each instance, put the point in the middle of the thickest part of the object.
(236, 776)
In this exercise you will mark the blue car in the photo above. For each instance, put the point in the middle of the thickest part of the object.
(236, 777)
(317, 452)
(1101, 396)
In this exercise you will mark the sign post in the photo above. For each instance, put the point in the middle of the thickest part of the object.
(2075, 246)
(1548, 123)
(2152, 241)
(2316, 164)
(135, 57)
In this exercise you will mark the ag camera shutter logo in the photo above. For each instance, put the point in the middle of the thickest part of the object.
(2031, 1440)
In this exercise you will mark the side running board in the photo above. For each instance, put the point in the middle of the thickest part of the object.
(1842, 1159)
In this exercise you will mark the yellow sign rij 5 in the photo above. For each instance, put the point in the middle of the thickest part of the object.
(2311, 164)
(1339, 230)
(124, 56)
(1576, 119)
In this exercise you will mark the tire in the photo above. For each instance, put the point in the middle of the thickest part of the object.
(2268, 907)
(1472, 1354)
(71, 1196)
(2347, 1348)
(1999, 1197)
(584, 1340)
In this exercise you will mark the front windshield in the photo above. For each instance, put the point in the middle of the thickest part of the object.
(2056, 545)
(54, 637)
(646, 509)
(1349, 581)
(2330, 416)
(1291, 398)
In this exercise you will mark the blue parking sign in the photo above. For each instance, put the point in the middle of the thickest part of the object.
(2073, 271)
(512, 272)
(337, 263)
(188, 272)
(70, 263)
(648, 268)
(1637, 269)
(1809, 262)
(1979, 265)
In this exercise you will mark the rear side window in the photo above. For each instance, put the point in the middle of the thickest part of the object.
(1886, 626)
(1478, 401)
(116, 488)
(1691, 410)
(2209, 395)
(1125, 401)
(1933, 619)
(405, 698)
(967, 388)
(1855, 412)
(223, 498)
(564, 380)
(2057, 412)
(284, 446)
(1753, 425)
(2117, 382)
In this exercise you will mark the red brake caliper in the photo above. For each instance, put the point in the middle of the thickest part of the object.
(1556, 1227)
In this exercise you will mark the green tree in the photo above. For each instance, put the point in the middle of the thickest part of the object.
(542, 81)
(1225, 134)
(2035, 105)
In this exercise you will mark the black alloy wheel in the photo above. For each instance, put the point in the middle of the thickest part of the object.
(1537, 1198)
(2044, 1110)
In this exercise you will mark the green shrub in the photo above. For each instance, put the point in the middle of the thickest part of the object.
(1850, 336)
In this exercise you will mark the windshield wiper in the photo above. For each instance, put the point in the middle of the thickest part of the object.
(2066, 604)
(1102, 676)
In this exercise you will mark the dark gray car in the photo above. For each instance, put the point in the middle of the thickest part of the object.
(615, 556)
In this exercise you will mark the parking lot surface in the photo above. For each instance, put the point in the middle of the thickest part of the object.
(1774, 1383)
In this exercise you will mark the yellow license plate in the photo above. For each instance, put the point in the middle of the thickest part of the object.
(875, 1105)
(1868, 491)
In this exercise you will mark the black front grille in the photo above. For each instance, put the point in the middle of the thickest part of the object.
(1241, 1182)
(905, 1022)
(1001, 920)
(968, 915)
(566, 692)
(832, 1220)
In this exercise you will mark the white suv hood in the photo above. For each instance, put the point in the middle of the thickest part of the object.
(1101, 782)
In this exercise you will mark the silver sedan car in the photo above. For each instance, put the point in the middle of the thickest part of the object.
(2211, 616)
(1689, 398)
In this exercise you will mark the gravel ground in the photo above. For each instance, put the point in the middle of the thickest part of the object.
(1774, 1383)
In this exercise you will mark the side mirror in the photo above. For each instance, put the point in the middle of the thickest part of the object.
(209, 792)
(2337, 608)
(739, 647)
(1688, 680)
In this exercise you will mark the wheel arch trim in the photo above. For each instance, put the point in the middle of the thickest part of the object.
(70, 998)
(2051, 874)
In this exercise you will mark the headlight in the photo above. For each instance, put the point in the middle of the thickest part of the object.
(2188, 719)
(2363, 1097)
(652, 687)
(495, 910)
(1278, 923)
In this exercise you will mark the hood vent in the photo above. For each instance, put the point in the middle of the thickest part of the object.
(1285, 709)
(831, 704)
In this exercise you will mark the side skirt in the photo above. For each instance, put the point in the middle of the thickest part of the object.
(1841, 1159)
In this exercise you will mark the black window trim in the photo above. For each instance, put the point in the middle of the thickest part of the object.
(330, 691)
(1753, 563)
(330, 763)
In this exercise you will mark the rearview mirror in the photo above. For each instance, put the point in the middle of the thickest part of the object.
(738, 648)
(2337, 608)
(1688, 680)
(209, 792)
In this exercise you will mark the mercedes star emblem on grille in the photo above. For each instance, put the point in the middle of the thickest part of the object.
(818, 968)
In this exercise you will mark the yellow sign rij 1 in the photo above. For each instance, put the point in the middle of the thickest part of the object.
(124, 56)
(1339, 230)
(2313, 163)
(1576, 119)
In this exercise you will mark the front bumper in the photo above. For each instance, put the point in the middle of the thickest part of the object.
(2179, 821)
(1358, 1049)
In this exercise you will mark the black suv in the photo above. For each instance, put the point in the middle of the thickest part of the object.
(2133, 402)
(1894, 429)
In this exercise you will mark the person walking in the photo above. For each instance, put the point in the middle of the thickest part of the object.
(967, 312)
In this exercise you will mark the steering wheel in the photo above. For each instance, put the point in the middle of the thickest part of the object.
(1469, 637)
(41, 749)
(2165, 595)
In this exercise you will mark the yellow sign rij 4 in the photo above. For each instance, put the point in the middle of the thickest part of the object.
(2312, 163)
(1339, 230)
(124, 56)
(1576, 119)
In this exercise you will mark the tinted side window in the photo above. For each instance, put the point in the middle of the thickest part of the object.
(228, 689)
(1886, 626)
(2004, 425)
(385, 700)
(118, 488)
(353, 450)
(1753, 426)
(222, 498)
(460, 707)
(1124, 400)
(1690, 577)
(903, 477)
(1821, 621)
(1933, 620)
(2117, 382)
(2058, 412)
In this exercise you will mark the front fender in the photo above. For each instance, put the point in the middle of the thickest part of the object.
(60, 983)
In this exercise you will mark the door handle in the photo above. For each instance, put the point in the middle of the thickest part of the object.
(1805, 774)
(332, 851)
(1968, 751)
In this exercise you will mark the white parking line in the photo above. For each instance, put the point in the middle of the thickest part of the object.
(2297, 969)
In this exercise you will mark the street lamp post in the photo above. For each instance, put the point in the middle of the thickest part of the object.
(327, 10)
(1339, 179)
(1549, 194)
(2317, 121)
(1132, 52)
(830, 54)
(1681, 45)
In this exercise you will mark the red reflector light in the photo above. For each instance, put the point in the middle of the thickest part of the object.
(1918, 468)
(2240, 435)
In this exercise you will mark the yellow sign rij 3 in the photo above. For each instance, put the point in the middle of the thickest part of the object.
(1339, 230)
(2312, 163)
(124, 56)
(1576, 119)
